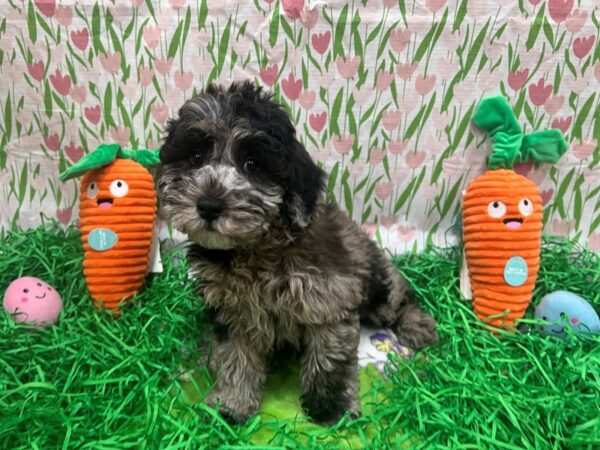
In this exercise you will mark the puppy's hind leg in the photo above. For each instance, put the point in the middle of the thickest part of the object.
(414, 328)
(390, 305)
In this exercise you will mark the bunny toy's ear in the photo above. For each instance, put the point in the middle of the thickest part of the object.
(107, 153)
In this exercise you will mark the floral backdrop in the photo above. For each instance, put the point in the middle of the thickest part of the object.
(381, 93)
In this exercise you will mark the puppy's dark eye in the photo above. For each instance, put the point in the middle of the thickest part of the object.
(251, 165)
(196, 159)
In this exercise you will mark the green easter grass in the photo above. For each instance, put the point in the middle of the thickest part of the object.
(137, 382)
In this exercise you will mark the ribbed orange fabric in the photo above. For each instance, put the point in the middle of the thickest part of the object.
(116, 274)
(489, 243)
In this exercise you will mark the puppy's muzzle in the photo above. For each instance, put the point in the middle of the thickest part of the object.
(210, 208)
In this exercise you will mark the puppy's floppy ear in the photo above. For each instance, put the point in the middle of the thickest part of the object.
(170, 150)
(306, 182)
(182, 129)
(179, 132)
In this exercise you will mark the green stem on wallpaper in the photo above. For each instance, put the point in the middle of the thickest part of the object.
(341, 172)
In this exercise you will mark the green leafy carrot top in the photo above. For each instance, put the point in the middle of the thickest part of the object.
(107, 153)
(509, 145)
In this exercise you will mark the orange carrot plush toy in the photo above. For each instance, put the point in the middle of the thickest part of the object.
(502, 216)
(117, 213)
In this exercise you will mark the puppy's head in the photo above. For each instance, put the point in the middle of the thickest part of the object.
(232, 169)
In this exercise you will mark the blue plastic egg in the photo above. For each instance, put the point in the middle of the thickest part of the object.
(562, 309)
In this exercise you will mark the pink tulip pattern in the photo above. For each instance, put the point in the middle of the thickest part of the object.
(36, 70)
(317, 121)
(382, 103)
(80, 38)
(321, 41)
(268, 74)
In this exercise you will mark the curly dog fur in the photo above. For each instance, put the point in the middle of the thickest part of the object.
(278, 266)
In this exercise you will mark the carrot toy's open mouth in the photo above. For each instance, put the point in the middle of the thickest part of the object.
(513, 222)
(104, 203)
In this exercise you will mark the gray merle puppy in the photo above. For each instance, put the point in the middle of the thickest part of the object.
(277, 265)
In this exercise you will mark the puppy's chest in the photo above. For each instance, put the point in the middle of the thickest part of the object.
(268, 285)
(282, 291)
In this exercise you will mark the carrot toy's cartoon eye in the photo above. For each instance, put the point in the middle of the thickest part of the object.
(92, 189)
(496, 209)
(526, 207)
(119, 188)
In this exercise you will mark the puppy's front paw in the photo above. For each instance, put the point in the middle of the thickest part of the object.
(230, 405)
(327, 410)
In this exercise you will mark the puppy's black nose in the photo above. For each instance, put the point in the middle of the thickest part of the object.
(210, 208)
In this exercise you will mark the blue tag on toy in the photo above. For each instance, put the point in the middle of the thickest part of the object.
(102, 239)
(515, 271)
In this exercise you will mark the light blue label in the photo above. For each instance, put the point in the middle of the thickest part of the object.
(515, 271)
(102, 239)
